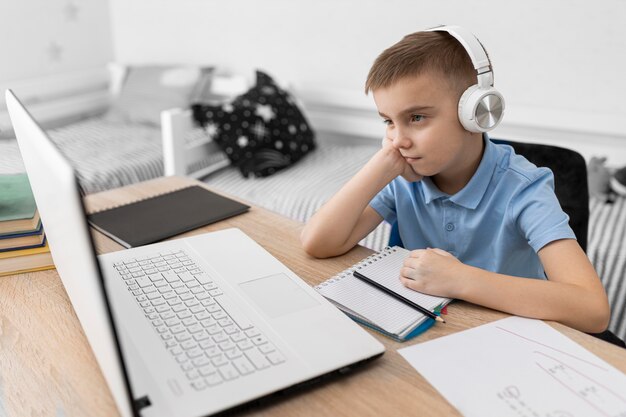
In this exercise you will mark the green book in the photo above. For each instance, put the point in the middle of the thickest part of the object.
(18, 212)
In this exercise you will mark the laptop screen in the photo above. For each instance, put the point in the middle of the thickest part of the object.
(58, 198)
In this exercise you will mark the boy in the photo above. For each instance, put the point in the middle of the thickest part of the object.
(480, 220)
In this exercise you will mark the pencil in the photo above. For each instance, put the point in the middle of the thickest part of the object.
(397, 296)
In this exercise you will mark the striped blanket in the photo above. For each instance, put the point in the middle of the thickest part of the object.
(607, 251)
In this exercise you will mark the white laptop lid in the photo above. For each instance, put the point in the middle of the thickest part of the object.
(52, 179)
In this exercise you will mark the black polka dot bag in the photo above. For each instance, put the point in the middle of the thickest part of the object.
(261, 131)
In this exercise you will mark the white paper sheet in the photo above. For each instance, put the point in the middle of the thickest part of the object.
(520, 368)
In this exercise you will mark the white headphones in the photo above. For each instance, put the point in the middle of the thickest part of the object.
(481, 106)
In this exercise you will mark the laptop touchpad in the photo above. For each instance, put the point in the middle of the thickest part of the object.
(277, 295)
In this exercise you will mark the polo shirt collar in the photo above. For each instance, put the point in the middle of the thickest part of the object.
(430, 190)
(475, 189)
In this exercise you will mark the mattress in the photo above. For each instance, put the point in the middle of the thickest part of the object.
(300, 190)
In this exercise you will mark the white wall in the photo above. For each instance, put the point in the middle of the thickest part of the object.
(54, 55)
(560, 64)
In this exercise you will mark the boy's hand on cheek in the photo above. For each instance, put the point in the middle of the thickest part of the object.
(397, 163)
(431, 271)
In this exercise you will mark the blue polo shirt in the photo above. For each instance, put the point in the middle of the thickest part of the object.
(498, 221)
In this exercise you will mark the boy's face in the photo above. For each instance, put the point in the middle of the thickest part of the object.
(422, 122)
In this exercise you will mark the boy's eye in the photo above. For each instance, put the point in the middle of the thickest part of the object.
(387, 122)
(416, 117)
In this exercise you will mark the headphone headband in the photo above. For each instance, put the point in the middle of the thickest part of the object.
(474, 49)
(481, 106)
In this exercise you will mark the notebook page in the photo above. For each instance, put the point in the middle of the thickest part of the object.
(370, 303)
(385, 269)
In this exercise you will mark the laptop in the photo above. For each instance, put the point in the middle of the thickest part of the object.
(187, 327)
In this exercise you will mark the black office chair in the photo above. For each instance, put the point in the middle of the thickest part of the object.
(570, 181)
(570, 186)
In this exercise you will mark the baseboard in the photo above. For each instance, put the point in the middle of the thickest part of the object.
(354, 114)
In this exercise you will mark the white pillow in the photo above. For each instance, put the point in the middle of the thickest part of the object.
(148, 90)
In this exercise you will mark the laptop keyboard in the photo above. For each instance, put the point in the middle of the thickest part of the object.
(209, 337)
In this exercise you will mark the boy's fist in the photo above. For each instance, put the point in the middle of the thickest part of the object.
(399, 165)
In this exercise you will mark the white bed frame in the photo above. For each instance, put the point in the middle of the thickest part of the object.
(179, 156)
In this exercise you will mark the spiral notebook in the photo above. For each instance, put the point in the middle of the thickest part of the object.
(374, 308)
(159, 217)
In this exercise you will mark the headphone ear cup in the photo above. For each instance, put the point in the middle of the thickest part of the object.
(480, 110)
(466, 109)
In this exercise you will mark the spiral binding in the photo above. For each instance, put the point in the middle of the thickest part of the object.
(140, 200)
(364, 262)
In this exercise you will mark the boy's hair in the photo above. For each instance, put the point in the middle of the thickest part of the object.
(436, 53)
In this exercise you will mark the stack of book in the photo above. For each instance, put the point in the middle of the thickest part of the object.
(23, 246)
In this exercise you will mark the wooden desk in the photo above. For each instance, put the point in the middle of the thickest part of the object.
(48, 369)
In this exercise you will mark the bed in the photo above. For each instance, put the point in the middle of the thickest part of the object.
(123, 143)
